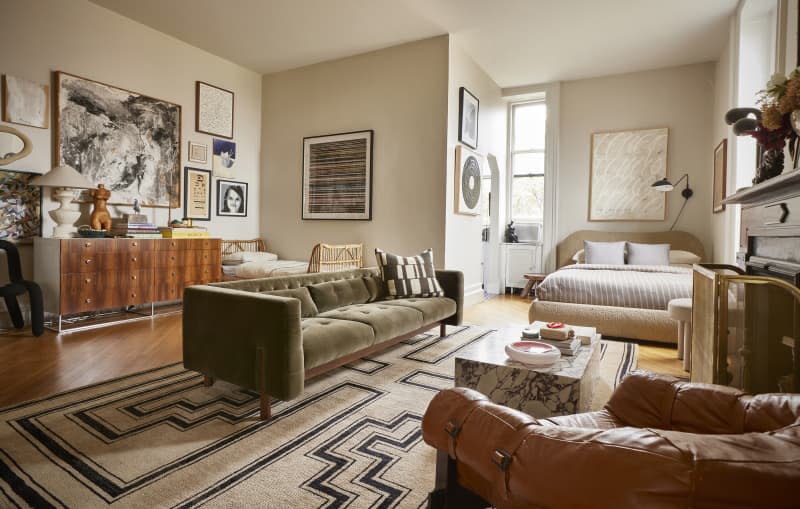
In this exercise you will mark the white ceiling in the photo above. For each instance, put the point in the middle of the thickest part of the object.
(517, 42)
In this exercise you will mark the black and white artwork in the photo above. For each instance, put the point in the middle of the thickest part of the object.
(214, 113)
(231, 198)
(223, 158)
(127, 141)
(468, 106)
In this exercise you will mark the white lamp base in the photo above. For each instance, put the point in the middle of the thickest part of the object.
(65, 215)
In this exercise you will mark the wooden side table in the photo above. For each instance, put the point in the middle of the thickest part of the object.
(533, 282)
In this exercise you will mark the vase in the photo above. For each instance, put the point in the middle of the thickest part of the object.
(770, 165)
(794, 120)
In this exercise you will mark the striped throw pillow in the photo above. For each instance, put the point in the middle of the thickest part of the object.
(408, 276)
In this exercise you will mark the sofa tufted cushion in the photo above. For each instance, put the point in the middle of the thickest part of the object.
(307, 306)
(433, 309)
(387, 321)
(335, 294)
(325, 339)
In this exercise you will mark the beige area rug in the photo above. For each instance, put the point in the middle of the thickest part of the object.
(161, 439)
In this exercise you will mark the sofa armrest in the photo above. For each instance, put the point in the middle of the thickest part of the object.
(223, 330)
(452, 282)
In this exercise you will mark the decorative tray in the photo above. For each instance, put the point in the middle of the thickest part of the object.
(533, 353)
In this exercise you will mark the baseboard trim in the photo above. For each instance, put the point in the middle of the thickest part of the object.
(473, 296)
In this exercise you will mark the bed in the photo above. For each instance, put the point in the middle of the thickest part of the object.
(249, 259)
(628, 301)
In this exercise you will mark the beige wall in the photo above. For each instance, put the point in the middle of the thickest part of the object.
(75, 36)
(680, 98)
(723, 224)
(463, 233)
(401, 94)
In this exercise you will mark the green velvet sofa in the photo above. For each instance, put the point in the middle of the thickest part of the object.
(271, 334)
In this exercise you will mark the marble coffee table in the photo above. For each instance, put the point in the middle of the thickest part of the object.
(564, 388)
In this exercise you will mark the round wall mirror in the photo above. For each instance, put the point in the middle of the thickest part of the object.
(13, 145)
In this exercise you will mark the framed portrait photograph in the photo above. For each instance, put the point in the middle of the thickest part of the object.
(198, 153)
(337, 176)
(214, 110)
(720, 175)
(197, 194)
(231, 198)
(468, 106)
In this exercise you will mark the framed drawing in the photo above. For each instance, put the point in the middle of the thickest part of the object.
(720, 175)
(468, 106)
(231, 198)
(214, 110)
(198, 153)
(624, 164)
(128, 141)
(197, 194)
(20, 206)
(337, 176)
(26, 102)
(223, 158)
(468, 181)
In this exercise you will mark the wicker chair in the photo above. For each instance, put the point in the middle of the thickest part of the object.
(330, 258)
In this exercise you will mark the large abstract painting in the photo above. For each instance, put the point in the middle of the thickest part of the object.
(624, 166)
(20, 206)
(337, 176)
(127, 141)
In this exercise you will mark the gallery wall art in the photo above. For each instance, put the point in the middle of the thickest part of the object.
(468, 109)
(224, 157)
(231, 198)
(624, 165)
(127, 141)
(197, 194)
(20, 206)
(468, 181)
(198, 153)
(26, 102)
(337, 176)
(720, 175)
(214, 110)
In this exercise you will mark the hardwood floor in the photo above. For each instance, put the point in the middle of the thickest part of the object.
(35, 367)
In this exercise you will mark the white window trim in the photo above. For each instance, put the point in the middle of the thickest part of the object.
(551, 92)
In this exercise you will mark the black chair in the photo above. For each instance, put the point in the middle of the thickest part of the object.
(18, 286)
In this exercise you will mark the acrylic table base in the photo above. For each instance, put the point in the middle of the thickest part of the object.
(564, 388)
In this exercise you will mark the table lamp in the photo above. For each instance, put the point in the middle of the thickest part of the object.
(64, 180)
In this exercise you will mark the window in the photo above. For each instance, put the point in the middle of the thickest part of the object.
(528, 121)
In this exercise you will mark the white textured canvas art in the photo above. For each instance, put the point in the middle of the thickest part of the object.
(25, 102)
(624, 166)
(214, 110)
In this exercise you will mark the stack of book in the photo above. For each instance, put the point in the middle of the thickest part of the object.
(193, 232)
(134, 225)
(567, 346)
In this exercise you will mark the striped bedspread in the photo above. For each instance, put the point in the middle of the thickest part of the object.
(633, 286)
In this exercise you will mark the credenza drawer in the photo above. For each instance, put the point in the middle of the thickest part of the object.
(98, 290)
(105, 261)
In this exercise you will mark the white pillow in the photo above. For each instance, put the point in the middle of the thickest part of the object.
(579, 257)
(245, 256)
(678, 257)
(604, 253)
(647, 254)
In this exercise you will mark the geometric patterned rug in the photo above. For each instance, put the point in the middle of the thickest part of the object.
(159, 438)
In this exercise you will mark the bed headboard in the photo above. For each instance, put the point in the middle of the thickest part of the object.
(573, 243)
(238, 246)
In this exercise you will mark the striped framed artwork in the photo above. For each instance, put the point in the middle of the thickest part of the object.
(337, 176)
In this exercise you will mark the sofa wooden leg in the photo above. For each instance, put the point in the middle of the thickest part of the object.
(266, 408)
(442, 330)
(208, 381)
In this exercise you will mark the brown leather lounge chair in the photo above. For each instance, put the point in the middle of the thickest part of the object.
(658, 443)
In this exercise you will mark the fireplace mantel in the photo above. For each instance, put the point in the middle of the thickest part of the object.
(783, 186)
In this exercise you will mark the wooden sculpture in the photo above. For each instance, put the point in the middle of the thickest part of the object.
(101, 219)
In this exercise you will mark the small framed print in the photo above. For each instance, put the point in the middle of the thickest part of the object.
(468, 107)
(720, 175)
(231, 198)
(197, 194)
(198, 153)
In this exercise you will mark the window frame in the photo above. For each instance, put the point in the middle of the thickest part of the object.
(512, 152)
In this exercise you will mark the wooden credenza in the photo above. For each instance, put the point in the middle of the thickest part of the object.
(83, 275)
